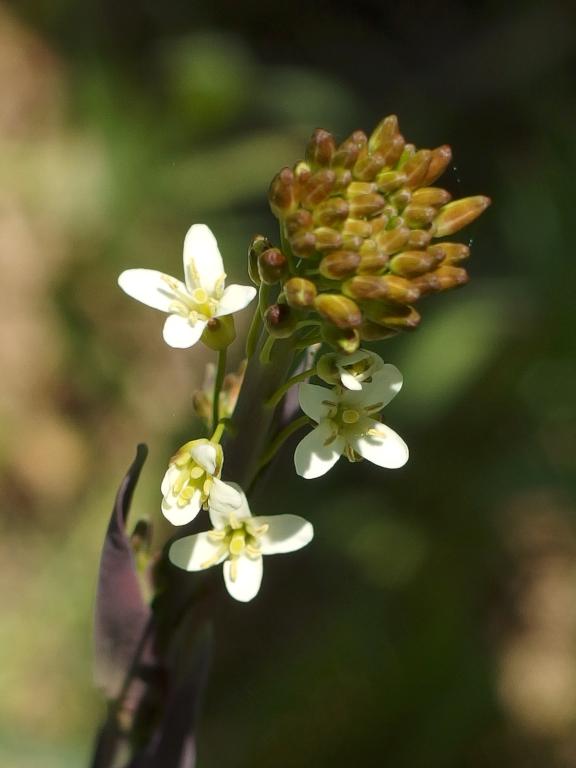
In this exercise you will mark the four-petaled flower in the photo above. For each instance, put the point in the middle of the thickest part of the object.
(345, 425)
(239, 540)
(190, 305)
(349, 370)
(187, 484)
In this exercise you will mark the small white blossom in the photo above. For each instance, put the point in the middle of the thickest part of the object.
(239, 540)
(349, 370)
(190, 305)
(188, 481)
(346, 425)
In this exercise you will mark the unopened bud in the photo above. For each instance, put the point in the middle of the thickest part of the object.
(450, 253)
(401, 198)
(346, 340)
(392, 150)
(282, 193)
(303, 244)
(359, 188)
(257, 246)
(347, 153)
(357, 227)
(339, 265)
(419, 215)
(440, 160)
(368, 166)
(318, 187)
(331, 211)
(327, 239)
(299, 292)
(280, 321)
(339, 310)
(272, 266)
(416, 168)
(391, 241)
(321, 148)
(383, 133)
(419, 238)
(412, 263)
(458, 214)
(367, 205)
(388, 181)
(219, 332)
(442, 279)
(431, 196)
(398, 317)
(381, 287)
(298, 221)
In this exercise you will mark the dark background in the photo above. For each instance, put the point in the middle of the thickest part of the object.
(432, 623)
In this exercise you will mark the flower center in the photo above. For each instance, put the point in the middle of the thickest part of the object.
(240, 538)
(350, 416)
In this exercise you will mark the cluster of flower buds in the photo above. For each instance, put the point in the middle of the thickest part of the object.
(358, 221)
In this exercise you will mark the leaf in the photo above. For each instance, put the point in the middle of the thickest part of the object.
(121, 613)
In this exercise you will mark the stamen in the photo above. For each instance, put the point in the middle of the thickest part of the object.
(196, 472)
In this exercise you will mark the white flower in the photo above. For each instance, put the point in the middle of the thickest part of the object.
(188, 481)
(239, 540)
(345, 425)
(349, 370)
(192, 304)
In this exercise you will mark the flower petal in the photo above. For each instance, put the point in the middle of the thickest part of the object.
(349, 381)
(206, 455)
(248, 578)
(385, 385)
(226, 499)
(151, 287)
(313, 457)
(194, 553)
(382, 446)
(313, 400)
(178, 515)
(203, 266)
(286, 533)
(180, 333)
(168, 480)
(235, 298)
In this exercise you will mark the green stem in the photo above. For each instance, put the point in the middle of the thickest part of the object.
(218, 432)
(267, 350)
(281, 438)
(220, 372)
(281, 391)
(256, 324)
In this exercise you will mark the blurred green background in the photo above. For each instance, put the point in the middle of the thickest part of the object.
(432, 624)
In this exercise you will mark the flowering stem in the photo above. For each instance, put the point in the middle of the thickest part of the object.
(220, 372)
(281, 391)
(281, 438)
(218, 432)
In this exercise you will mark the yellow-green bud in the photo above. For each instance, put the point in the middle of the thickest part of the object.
(299, 292)
(419, 215)
(388, 181)
(386, 130)
(458, 214)
(440, 160)
(451, 253)
(418, 238)
(280, 321)
(357, 228)
(331, 211)
(442, 279)
(413, 263)
(282, 193)
(347, 340)
(347, 153)
(339, 310)
(416, 168)
(272, 266)
(339, 265)
(259, 243)
(381, 287)
(321, 148)
(366, 205)
(219, 333)
(431, 196)
(327, 239)
(368, 166)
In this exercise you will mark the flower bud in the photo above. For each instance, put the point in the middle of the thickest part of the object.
(280, 321)
(259, 243)
(386, 130)
(299, 292)
(359, 188)
(370, 331)
(331, 211)
(347, 153)
(401, 198)
(368, 166)
(440, 160)
(327, 238)
(346, 340)
(298, 221)
(282, 193)
(412, 263)
(381, 287)
(318, 187)
(458, 214)
(321, 148)
(388, 181)
(339, 265)
(219, 333)
(303, 244)
(418, 238)
(367, 205)
(398, 317)
(392, 150)
(392, 240)
(431, 196)
(357, 227)
(272, 266)
(339, 310)
(450, 253)
(416, 168)
(419, 215)
(442, 279)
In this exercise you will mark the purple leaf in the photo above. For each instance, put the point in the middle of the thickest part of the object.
(121, 613)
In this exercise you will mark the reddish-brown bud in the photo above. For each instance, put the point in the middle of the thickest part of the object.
(280, 321)
(392, 150)
(368, 166)
(416, 168)
(282, 193)
(458, 214)
(367, 205)
(299, 292)
(257, 246)
(321, 148)
(440, 160)
(339, 265)
(442, 279)
(272, 266)
(347, 153)
(338, 310)
(381, 287)
(298, 221)
(318, 187)
(303, 244)
(386, 129)
(331, 211)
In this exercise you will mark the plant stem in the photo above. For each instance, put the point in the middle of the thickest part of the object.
(256, 324)
(281, 391)
(218, 432)
(267, 350)
(281, 438)
(220, 372)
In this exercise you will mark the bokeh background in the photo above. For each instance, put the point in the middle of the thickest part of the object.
(432, 624)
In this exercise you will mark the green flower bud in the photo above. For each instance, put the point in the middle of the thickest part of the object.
(321, 148)
(388, 181)
(459, 214)
(339, 265)
(272, 266)
(440, 160)
(384, 132)
(413, 263)
(280, 321)
(327, 239)
(346, 340)
(340, 310)
(451, 253)
(381, 287)
(299, 292)
(368, 166)
(259, 243)
(219, 333)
